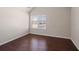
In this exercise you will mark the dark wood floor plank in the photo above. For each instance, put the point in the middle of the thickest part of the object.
(32, 42)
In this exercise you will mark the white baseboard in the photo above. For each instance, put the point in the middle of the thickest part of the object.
(75, 44)
(52, 35)
(13, 39)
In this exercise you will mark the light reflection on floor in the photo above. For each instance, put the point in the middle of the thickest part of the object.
(38, 45)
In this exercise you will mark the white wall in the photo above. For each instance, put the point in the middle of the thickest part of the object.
(58, 21)
(13, 23)
(75, 26)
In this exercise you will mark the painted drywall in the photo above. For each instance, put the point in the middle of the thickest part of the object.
(14, 23)
(58, 21)
(75, 26)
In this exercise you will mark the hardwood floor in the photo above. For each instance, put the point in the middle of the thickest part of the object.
(33, 42)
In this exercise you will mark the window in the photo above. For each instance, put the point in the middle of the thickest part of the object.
(39, 22)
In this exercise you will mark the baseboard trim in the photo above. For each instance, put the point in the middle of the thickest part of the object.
(51, 36)
(75, 45)
(13, 39)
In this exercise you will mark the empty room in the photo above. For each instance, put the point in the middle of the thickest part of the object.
(39, 29)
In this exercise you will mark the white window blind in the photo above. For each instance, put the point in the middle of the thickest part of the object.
(39, 22)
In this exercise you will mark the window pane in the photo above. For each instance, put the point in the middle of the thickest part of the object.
(34, 26)
(39, 22)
